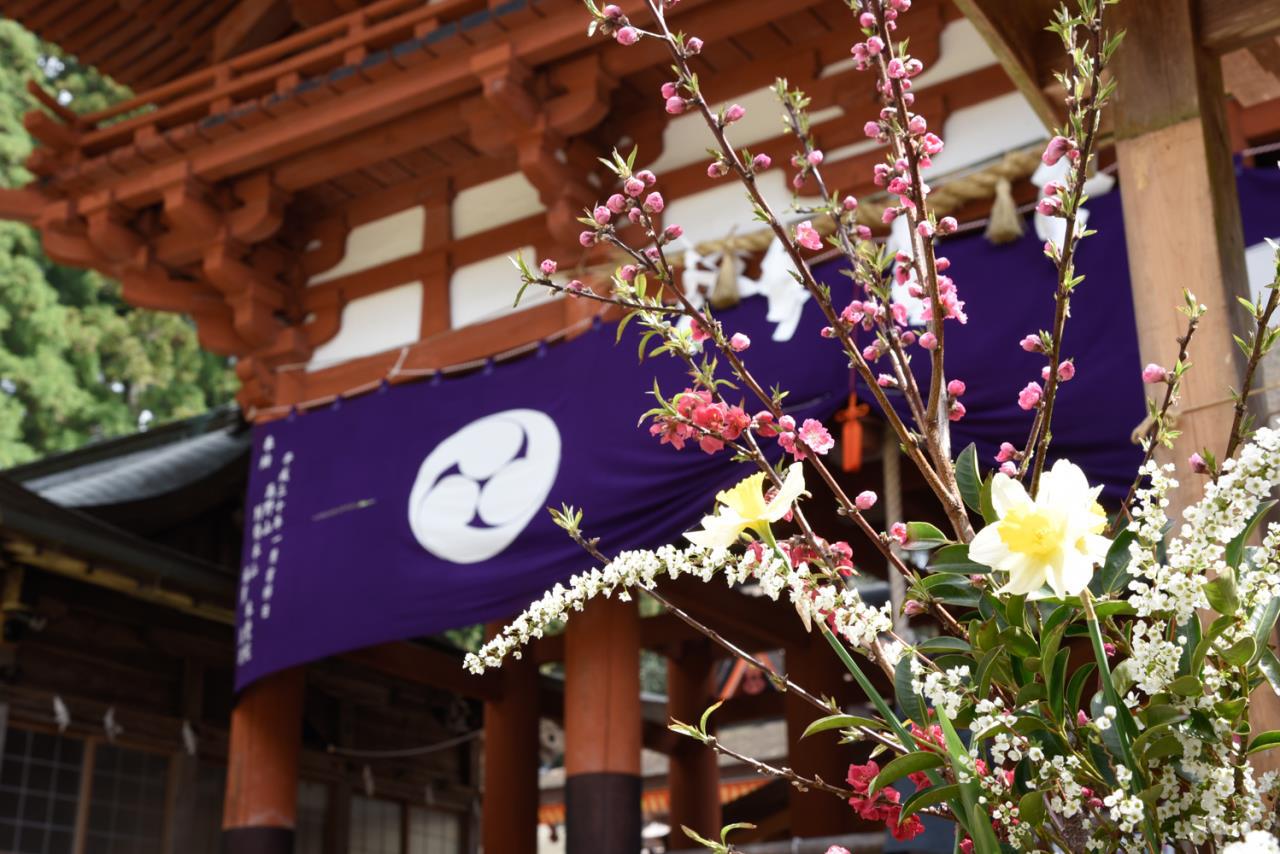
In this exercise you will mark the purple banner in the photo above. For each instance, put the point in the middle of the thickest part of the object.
(423, 506)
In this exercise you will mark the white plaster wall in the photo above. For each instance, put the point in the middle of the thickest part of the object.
(494, 203)
(711, 214)
(388, 239)
(979, 133)
(487, 289)
(381, 321)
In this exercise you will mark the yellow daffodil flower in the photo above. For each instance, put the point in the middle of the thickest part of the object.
(1055, 538)
(744, 506)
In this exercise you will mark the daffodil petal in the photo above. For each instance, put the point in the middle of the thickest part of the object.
(987, 548)
(792, 489)
(1007, 493)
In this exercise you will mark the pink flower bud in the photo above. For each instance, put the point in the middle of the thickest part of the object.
(807, 236)
(1066, 371)
(1197, 463)
(872, 130)
(734, 113)
(886, 381)
(1109, 648)
(871, 352)
(627, 273)
(814, 157)
(908, 338)
(948, 225)
(849, 203)
(635, 215)
(616, 203)
(653, 203)
(914, 67)
(918, 125)
(955, 388)
(875, 45)
(612, 12)
(1050, 206)
(898, 531)
(675, 105)
(1007, 452)
(587, 238)
(668, 90)
(864, 232)
(575, 285)
(1032, 344)
(942, 265)
(925, 228)
(648, 177)
(693, 46)
(956, 411)
(672, 232)
(897, 69)
(1009, 469)
(837, 849)
(627, 36)
(1030, 396)
(1153, 374)
(912, 608)
(1056, 150)
(739, 342)
(787, 424)
(865, 500)
(633, 187)
(547, 266)
(718, 169)
(1081, 718)
(929, 341)
(761, 162)
(602, 215)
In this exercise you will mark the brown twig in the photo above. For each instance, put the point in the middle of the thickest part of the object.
(1255, 357)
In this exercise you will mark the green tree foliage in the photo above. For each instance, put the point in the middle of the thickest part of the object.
(76, 362)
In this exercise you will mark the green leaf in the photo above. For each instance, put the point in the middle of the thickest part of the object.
(706, 715)
(1031, 808)
(1241, 652)
(831, 722)
(1057, 684)
(907, 763)
(944, 643)
(929, 797)
(910, 703)
(1075, 688)
(922, 535)
(1263, 622)
(1265, 741)
(1222, 593)
(1186, 686)
(1218, 626)
(988, 508)
(969, 479)
(954, 559)
(1235, 550)
(1114, 574)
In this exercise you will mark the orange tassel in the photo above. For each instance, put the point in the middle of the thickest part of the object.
(851, 433)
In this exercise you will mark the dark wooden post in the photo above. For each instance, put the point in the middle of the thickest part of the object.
(814, 667)
(694, 777)
(602, 729)
(262, 766)
(509, 821)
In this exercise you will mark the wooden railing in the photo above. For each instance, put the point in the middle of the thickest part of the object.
(400, 32)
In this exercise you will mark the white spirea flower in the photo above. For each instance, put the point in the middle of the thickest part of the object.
(1055, 538)
(1255, 842)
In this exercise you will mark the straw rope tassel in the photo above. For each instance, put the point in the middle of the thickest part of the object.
(1006, 224)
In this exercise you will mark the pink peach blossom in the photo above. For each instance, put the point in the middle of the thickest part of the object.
(1154, 374)
(866, 500)
(739, 342)
(807, 236)
(1030, 396)
(547, 266)
(627, 36)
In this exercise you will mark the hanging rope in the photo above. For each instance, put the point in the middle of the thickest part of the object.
(405, 752)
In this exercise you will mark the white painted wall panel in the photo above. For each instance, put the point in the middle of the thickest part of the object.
(388, 239)
(372, 324)
(487, 289)
(494, 203)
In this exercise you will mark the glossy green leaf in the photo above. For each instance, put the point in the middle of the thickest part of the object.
(929, 797)
(1222, 593)
(969, 479)
(907, 763)
(910, 703)
(1114, 574)
(1241, 652)
(922, 535)
(1235, 549)
(1265, 741)
(1031, 808)
(831, 722)
(954, 559)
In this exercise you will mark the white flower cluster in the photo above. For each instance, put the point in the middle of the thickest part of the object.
(1066, 796)
(855, 621)
(1159, 588)
(1155, 659)
(944, 689)
(1126, 810)
(1254, 842)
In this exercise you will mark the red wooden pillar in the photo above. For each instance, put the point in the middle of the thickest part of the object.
(602, 729)
(262, 766)
(509, 821)
(694, 776)
(814, 667)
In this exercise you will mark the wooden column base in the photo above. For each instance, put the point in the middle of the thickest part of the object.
(257, 840)
(603, 813)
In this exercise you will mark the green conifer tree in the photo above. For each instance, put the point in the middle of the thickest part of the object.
(76, 362)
